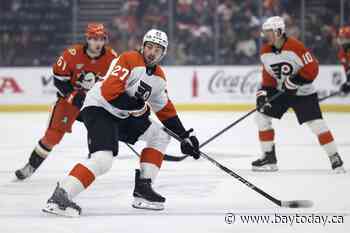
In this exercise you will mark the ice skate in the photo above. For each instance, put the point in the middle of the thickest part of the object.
(267, 163)
(60, 204)
(25, 172)
(337, 163)
(144, 195)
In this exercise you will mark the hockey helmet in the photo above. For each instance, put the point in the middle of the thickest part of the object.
(274, 23)
(158, 37)
(96, 30)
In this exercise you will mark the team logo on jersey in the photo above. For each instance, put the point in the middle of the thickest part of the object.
(87, 80)
(143, 91)
(282, 68)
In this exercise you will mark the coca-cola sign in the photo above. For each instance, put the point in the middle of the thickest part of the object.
(243, 84)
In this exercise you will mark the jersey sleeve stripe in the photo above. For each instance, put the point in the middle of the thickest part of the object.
(62, 78)
(167, 112)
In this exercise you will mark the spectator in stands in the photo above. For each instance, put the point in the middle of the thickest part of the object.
(40, 27)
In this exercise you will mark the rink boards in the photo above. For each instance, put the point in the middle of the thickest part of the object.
(191, 88)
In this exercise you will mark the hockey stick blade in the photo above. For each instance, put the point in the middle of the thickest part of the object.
(297, 204)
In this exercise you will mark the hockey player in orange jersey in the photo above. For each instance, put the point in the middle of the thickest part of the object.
(118, 109)
(291, 68)
(75, 72)
(344, 55)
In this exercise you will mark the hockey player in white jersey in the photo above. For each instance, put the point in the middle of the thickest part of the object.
(118, 109)
(291, 68)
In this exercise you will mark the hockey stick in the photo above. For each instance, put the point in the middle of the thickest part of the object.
(288, 204)
(173, 158)
(241, 119)
(254, 110)
(178, 158)
(167, 157)
(329, 96)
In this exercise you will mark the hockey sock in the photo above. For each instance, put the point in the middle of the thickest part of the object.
(324, 136)
(266, 132)
(83, 174)
(38, 155)
(150, 163)
(327, 142)
(266, 138)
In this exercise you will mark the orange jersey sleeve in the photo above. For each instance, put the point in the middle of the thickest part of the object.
(167, 112)
(114, 84)
(310, 65)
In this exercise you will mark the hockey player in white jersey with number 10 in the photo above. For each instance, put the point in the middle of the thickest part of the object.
(118, 109)
(290, 68)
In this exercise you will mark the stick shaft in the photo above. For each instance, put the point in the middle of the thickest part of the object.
(239, 120)
(251, 112)
(230, 172)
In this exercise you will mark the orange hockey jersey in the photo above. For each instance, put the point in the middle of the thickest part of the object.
(74, 63)
(344, 58)
(291, 60)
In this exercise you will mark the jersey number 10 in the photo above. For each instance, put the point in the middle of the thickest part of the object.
(307, 58)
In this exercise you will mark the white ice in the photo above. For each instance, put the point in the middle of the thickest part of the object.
(198, 193)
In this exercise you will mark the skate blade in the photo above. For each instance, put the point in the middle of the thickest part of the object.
(15, 179)
(265, 168)
(52, 208)
(339, 170)
(140, 203)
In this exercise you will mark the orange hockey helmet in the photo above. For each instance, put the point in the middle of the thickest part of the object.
(344, 35)
(344, 32)
(96, 30)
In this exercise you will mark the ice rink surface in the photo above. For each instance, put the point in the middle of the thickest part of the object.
(198, 193)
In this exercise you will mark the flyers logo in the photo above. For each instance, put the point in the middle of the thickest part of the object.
(143, 91)
(282, 68)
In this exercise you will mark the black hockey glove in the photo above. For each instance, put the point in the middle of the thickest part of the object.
(261, 101)
(289, 86)
(190, 144)
(128, 103)
(76, 98)
(345, 88)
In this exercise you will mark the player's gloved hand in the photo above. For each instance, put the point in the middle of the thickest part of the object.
(290, 87)
(345, 87)
(76, 98)
(145, 111)
(190, 144)
(261, 101)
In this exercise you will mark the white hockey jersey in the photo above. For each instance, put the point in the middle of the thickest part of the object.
(128, 73)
